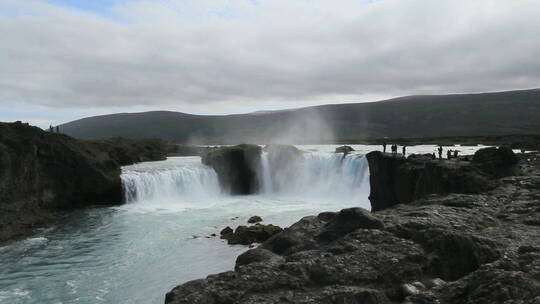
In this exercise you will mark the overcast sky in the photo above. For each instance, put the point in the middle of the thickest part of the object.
(62, 60)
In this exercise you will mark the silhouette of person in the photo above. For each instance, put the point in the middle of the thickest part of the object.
(449, 154)
(51, 129)
(455, 153)
(433, 156)
(404, 150)
(384, 147)
(440, 152)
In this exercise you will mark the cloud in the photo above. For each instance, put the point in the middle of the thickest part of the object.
(219, 55)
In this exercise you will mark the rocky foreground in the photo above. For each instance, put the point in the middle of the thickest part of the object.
(43, 173)
(438, 238)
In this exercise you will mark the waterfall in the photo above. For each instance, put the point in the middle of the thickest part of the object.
(320, 176)
(186, 182)
(176, 180)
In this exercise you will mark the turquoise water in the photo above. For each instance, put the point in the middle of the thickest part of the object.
(137, 252)
(129, 255)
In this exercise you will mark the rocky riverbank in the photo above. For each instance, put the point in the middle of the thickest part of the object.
(43, 173)
(433, 246)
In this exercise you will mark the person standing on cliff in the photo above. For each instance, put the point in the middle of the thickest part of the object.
(440, 152)
(384, 147)
(449, 154)
(404, 150)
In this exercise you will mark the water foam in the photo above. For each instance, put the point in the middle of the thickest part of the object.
(178, 180)
(183, 182)
(320, 176)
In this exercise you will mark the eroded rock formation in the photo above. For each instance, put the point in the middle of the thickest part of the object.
(447, 249)
(42, 172)
(398, 180)
(237, 167)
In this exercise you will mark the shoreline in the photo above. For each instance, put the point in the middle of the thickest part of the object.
(451, 248)
(43, 174)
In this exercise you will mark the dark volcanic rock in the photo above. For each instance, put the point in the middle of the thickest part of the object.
(499, 162)
(237, 167)
(246, 235)
(348, 220)
(300, 236)
(327, 216)
(255, 219)
(226, 231)
(344, 149)
(396, 180)
(456, 254)
(42, 173)
(482, 245)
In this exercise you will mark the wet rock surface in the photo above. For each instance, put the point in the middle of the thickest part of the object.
(43, 173)
(246, 235)
(447, 249)
(237, 167)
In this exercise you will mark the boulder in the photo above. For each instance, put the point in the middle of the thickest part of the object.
(327, 216)
(255, 219)
(349, 220)
(299, 236)
(237, 167)
(246, 235)
(258, 255)
(226, 231)
(499, 162)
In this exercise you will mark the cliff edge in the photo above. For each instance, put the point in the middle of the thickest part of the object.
(42, 173)
(454, 248)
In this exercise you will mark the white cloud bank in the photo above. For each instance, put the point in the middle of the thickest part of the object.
(217, 56)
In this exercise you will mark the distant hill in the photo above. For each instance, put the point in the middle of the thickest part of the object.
(511, 112)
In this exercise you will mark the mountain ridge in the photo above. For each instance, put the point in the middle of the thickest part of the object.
(496, 113)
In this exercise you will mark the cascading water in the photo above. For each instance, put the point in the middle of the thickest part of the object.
(328, 176)
(185, 182)
(137, 252)
(176, 180)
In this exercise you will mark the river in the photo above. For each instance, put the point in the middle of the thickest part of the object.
(161, 237)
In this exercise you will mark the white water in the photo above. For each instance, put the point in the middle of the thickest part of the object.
(320, 176)
(137, 252)
(183, 182)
